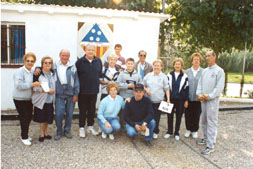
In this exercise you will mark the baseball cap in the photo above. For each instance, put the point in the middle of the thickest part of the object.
(139, 87)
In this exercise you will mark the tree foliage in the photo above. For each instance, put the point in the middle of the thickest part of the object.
(217, 24)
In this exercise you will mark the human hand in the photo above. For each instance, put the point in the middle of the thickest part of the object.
(35, 84)
(37, 71)
(128, 100)
(131, 85)
(143, 127)
(75, 99)
(107, 125)
(148, 92)
(186, 104)
(51, 91)
(138, 128)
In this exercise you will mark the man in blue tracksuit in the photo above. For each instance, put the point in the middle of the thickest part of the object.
(67, 90)
(209, 89)
(89, 68)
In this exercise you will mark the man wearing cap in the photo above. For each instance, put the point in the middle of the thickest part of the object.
(139, 115)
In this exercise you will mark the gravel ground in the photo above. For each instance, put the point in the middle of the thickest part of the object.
(234, 148)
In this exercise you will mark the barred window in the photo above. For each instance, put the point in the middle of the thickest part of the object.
(12, 44)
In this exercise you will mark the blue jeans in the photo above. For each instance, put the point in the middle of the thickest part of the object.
(131, 131)
(64, 104)
(114, 123)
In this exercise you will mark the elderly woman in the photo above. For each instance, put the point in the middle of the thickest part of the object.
(43, 98)
(157, 86)
(192, 113)
(110, 73)
(22, 95)
(108, 111)
(179, 93)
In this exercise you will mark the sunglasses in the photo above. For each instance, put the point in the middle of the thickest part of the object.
(31, 61)
(143, 55)
(48, 63)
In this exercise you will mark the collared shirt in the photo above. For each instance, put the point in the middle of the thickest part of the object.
(28, 71)
(195, 71)
(62, 72)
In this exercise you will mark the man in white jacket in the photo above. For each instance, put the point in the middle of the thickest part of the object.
(208, 91)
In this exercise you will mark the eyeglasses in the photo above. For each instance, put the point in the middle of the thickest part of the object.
(31, 61)
(48, 63)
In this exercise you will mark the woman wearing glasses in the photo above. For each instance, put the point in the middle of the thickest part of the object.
(43, 98)
(22, 95)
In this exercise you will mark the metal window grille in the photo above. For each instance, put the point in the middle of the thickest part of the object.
(12, 44)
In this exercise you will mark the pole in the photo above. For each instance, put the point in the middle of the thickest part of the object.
(243, 67)
(163, 6)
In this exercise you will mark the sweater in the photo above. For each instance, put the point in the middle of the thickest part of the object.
(137, 111)
(110, 108)
(157, 85)
(193, 83)
(211, 82)
(126, 78)
(89, 74)
(179, 88)
(22, 84)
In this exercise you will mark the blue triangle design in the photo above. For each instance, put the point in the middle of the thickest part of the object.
(95, 35)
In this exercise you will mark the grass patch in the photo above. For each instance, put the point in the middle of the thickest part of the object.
(236, 78)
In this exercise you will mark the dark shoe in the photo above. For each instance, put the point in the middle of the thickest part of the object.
(148, 143)
(68, 135)
(201, 141)
(57, 137)
(41, 139)
(207, 151)
(48, 137)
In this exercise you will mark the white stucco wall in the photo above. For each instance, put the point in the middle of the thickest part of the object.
(49, 32)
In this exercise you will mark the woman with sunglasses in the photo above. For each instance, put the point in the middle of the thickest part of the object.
(22, 95)
(43, 98)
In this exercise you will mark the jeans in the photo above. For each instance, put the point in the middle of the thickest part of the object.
(24, 109)
(64, 104)
(131, 131)
(114, 123)
(87, 108)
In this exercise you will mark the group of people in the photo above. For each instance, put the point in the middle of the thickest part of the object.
(131, 93)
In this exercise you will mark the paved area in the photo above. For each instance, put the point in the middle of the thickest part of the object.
(234, 148)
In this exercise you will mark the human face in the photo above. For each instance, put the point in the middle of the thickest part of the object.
(138, 95)
(113, 92)
(157, 68)
(130, 66)
(118, 50)
(29, 62)
(47, 65)
(64, 57)
(142, 57)
(90, 52)
(112, 62)
(177, 66)
(210, 59)
(196, 62)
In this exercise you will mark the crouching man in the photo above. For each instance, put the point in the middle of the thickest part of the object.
(139, 115)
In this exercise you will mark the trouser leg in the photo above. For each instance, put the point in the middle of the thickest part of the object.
(91, 109)
(151, 126)
(70, 106)
(188, 115)
(179, 113)
(204, 119)
(83, 107)
(212, 122)
(195, 116)
(157, 117)
(59, 113)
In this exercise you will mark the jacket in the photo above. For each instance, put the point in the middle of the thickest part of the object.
(148, 67)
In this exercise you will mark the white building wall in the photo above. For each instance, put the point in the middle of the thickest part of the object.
(47, 34)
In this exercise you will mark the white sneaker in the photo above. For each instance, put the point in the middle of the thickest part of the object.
(26, 142)
(177, 137)
(111, 136)
(99, 130)
(155, 136)
(104, 135)
(92, 130)
(30, 139)
(194, 134)
(166, 136)
(82, 132)
(187, 133)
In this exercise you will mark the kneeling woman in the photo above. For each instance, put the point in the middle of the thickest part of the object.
(43, 99)
(108, 111)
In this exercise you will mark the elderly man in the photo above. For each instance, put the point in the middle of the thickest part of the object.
(67, 90)
(209, 88)
(141, 66)
(89, 68)
(139, 115)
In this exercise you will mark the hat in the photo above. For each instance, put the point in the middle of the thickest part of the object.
(139, 87)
